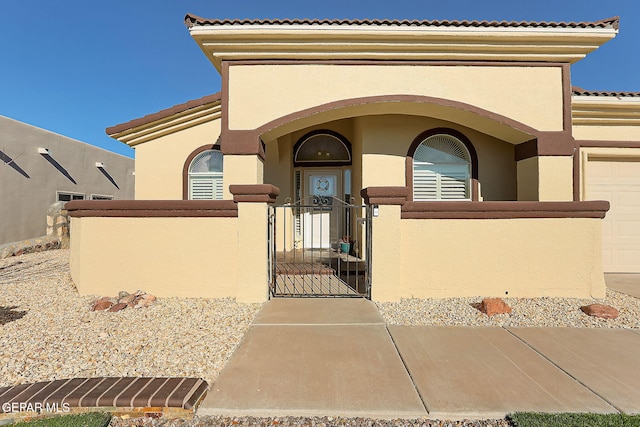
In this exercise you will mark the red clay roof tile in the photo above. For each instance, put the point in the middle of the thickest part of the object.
(579, 91)
(613, 22)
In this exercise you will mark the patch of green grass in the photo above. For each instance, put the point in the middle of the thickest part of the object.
(530, 419)
(90, 419)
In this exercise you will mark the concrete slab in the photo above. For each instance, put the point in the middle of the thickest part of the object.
(627, 283)
(346, 370)
(318, 311)
(606, 361)
(486, 373)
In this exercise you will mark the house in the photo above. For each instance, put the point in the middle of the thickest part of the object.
(39, 168)
(391, 159)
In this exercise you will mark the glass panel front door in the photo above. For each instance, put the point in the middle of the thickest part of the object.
(321, 223)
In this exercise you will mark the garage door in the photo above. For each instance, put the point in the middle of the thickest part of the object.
(619, 183)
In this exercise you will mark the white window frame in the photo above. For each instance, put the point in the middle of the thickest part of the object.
(101, 197)
(71, 194)
(439, 171)
(216, 179)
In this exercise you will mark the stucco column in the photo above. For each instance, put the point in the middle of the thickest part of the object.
(253, 203)
(387, 250)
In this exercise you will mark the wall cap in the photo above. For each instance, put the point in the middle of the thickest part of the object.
(152, 208)
(255, 193)
(504, 210)
(385, 195)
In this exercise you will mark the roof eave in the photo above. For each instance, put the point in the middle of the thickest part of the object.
(293, 42)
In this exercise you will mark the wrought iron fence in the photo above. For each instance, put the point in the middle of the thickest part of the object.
(320, 246)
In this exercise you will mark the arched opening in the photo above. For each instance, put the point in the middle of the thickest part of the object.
(205, 176)
(442, 166)
(322, 148)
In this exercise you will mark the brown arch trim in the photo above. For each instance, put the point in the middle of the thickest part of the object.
(187, 163)
(249, 142)
(442, 131)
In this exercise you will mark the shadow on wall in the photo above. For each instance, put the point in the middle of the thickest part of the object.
(11, 162)
(109, 177)
(58, 166)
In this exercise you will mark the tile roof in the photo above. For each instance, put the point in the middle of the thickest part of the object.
(613, 22)
(164, 113)
(575, 90)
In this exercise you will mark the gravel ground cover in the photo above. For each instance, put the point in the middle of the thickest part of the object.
(550, 312)
(47, 331)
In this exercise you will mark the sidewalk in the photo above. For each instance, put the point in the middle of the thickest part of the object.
(337, 357)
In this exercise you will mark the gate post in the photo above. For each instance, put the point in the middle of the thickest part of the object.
(386, 251)
(253, 267)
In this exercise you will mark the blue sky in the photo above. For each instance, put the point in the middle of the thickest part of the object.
(76, 67)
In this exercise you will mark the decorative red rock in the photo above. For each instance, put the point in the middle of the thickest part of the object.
(491, 306)
(600, 311)
(127, 299)
(118, 307)
(101, 304)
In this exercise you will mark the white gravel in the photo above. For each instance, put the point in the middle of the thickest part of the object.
(59, 337)
(551, 312)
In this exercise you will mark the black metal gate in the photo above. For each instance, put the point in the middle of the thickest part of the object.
(320, 247)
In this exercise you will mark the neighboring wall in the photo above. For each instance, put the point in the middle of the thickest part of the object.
(29, 181)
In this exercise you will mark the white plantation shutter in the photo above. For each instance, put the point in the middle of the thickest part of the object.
(441, 169)
(206, 187)
(205, 176)
(453, 183)
(425, 182)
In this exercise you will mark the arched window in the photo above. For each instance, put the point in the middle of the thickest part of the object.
(205, 176)
(322, 148)
(441, 169)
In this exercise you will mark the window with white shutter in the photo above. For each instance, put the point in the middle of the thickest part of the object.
(441, 169)
(205, 176)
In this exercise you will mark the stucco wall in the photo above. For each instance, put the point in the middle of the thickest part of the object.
(160, 162)
(555, 178)
(607, 133)
(486, 257)
(168, 257)
(29, 180)
(531, 95)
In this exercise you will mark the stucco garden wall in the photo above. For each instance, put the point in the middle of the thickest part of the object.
(502, 257)
(491, 249)
(291, 88)
(168, 257)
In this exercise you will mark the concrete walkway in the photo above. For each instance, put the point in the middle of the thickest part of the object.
(627, 283)
(337, 357)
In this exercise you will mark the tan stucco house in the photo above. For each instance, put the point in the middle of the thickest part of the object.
(453, 158)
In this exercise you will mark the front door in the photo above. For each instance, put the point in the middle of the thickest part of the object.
(321, 223)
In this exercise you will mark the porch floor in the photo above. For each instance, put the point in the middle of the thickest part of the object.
(318, 272)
